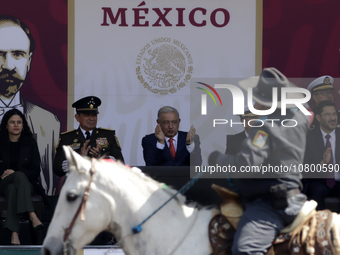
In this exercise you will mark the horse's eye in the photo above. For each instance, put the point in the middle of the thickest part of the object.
(71, 197)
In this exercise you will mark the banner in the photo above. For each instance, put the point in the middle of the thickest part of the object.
(138, 56)
(43, 94)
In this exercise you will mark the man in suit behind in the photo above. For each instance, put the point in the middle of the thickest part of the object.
(87, 140)
(168, 146)
(323, 148)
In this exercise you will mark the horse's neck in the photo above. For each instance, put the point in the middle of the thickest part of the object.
(129, 195)
(135, 200)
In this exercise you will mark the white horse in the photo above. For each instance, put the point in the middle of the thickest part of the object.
(119, 199)
(100, 195)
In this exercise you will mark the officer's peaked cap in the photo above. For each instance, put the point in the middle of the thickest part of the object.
(321, 83)
(87, 105)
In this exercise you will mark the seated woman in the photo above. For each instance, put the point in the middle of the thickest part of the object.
(19, 171)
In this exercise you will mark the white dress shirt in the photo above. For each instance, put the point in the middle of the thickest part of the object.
(161, 146)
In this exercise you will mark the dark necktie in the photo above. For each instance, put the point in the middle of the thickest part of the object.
(172, 148)
(330, 181)
(88, 135)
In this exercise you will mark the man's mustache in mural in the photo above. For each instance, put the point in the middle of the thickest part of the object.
(9, 83)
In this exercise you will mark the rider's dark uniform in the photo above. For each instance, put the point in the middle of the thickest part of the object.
(272, 201)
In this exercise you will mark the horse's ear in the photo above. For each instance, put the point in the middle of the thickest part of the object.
(73, 158)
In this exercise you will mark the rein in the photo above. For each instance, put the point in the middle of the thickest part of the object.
(185, 188)
(80, 210)
(176, 247)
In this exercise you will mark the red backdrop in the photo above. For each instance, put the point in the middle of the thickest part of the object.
(302, 37)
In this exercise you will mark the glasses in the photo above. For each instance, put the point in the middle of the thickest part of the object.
(326, 93)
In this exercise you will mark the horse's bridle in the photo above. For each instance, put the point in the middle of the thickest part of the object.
(80, 210)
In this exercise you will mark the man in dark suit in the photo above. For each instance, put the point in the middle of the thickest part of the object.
(87, 140)
(323, 147)
(168, 146)
(234, 142)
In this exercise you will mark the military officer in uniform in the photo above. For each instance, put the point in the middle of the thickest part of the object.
(87, 140)
(271, 202)
(322, 89)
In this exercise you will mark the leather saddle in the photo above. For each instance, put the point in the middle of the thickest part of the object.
(311, 233)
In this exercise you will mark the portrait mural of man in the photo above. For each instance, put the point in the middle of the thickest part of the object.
(30, 88)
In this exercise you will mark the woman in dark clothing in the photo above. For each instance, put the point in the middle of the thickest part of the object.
(19, 171)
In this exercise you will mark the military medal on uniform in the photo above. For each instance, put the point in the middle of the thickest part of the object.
(75, 145)
(102, 141)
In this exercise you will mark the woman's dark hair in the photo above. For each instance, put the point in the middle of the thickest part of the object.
(26, 134)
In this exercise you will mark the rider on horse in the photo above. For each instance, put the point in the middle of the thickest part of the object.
(271, 202)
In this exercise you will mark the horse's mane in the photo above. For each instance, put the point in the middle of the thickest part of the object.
(135, 173)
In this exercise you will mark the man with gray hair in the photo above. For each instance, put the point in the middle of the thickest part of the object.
(168, 146)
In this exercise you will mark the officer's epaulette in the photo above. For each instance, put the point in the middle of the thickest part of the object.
(68, 131)
(106, 129)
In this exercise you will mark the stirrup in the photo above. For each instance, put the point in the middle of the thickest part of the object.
(307, 209)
